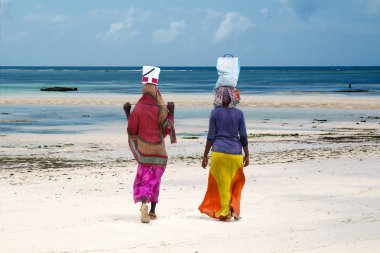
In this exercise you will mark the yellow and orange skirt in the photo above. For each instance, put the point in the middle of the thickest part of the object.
(225, 184)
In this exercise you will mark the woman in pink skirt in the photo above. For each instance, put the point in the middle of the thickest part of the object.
(148, 124)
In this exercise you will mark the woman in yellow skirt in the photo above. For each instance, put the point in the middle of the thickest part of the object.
(227, 136)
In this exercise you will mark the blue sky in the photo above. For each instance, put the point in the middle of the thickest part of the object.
(189, 33)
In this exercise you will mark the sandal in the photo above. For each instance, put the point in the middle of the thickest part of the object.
(152, 216)
(144, 213)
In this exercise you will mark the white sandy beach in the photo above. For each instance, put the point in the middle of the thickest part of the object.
(313, 189)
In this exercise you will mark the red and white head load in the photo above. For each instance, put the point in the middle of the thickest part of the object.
(150, 74)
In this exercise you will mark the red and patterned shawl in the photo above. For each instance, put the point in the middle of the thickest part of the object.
(148, 125)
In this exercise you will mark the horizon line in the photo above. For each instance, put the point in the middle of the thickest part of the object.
(189, 66)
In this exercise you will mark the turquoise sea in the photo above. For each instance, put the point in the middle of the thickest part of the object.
(252, 80)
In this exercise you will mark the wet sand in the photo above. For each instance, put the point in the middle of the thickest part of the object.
(276, 101)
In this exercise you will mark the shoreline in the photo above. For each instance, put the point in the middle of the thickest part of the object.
(196, 99)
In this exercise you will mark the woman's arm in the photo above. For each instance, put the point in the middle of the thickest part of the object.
(168, 124)
(133, 119)
(244, 140)
(205, 154)
(170, 107)
(210, 139)
(246, 156)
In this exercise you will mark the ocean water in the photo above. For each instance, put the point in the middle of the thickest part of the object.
(67, 119)
(252, 80)
(70, 119)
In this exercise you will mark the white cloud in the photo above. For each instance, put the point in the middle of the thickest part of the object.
(45, 18)
(119, 31)
(232, 25)
(115, 27)
(59, 36)
(4, 2)
(266, 13)
(4, 5)
(212, 14)
(210, 18)
(168, 35)
(39, 5)
(17, 36)
(371, 6)
(143, 15)
(303, 9)
(58, 18)
(285, 6)
(101, 12)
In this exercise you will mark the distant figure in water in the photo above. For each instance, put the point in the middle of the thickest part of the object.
(349, 87)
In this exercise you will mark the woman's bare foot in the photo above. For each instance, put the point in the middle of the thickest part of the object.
(236, 216)
(226, 218)
(152, 216)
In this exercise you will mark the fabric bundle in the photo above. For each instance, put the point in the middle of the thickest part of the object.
(150, 74)
(148, 125)
(228, 70)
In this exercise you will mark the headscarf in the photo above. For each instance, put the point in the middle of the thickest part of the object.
(148, 125)
(224, 93)
(151, 90)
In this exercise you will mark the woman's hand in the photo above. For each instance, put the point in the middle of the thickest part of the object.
(246, 161)
(170, 107)
(204, 162)
(127, 109)
(205, 154)
(246, 156)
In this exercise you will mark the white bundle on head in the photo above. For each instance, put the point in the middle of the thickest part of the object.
(228, 70)
(150, 74)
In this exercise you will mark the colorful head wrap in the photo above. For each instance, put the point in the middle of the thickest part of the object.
(224, 93)
(226, 96)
